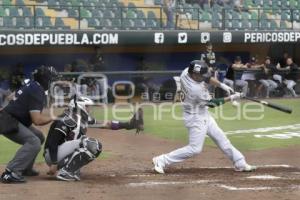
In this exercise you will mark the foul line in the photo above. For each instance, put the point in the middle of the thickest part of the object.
(155, 183)
(264, 130)
(232, 188)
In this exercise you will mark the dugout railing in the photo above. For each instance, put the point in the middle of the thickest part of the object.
(155, 86)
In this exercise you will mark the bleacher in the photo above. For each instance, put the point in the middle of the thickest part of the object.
(126, 15)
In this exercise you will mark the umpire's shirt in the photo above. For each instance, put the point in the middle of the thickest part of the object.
(29, 98)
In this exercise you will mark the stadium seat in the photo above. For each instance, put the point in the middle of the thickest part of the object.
(93, 22)
(264, 25)
(283, 25)
(108, 14)
(26, 12)
(150, 24)
(13, 12)
(254, 15)
(2, 12)
(158, 2)
(140, 14)
(97, 13)
(258, 3)
(116, 23)
(246, 24)
(84, 13)
(139, 23)
(47, 22)
(236, 15)
(39, 12)
(273, 25)
(216, 23)
(6, 3)
(20, 2)
(7, 22)
(254, 24)
(151, 15)
(236, 24)
(128, 23)
(73, 12)
(59, 23)
(286, 15)
(205, 17)
(246, 15)
(296, 15)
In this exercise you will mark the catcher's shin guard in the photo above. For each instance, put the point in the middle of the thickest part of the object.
(90, 149)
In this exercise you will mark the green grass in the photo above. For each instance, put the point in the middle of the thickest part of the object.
(167, 127)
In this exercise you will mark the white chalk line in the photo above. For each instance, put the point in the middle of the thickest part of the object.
(200, 168)
(158, 183)
(264, 130)
(265, 177)
(232, 188)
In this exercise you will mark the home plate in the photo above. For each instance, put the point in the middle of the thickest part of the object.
(264, 177)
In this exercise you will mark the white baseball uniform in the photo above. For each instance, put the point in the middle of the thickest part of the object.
(199, 122)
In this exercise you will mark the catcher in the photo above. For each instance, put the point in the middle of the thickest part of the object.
(68, 149)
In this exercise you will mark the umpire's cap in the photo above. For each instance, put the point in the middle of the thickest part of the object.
(198, 67)
(44, 75)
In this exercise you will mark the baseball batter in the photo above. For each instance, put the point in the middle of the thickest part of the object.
(198, 120)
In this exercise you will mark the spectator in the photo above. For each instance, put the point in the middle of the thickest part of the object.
(265, 78)
(233, 78)
(209, 56)
(168, 8)
(282, 60)
(292, 75)
(252, 68)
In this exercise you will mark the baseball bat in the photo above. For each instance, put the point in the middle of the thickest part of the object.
(271, 105)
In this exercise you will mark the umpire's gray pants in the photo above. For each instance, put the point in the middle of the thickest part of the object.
(31, 140)
(64, 150)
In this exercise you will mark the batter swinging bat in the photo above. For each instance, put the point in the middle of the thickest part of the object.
(271, 105)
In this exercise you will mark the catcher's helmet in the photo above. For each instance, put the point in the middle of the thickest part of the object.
(78, 104)
(198, 67)
(44, 75)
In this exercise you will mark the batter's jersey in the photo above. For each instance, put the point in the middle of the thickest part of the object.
(196, 94)
(29, 98)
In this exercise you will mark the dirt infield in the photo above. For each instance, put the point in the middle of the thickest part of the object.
(126, 174)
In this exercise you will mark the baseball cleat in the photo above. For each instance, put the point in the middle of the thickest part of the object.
(158, 166)
(11, 177)
(63, 175)
(246, 168)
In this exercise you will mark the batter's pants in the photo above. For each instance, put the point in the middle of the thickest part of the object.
(198, 127)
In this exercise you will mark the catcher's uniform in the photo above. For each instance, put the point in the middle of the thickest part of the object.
(199, 122)
(65, 136)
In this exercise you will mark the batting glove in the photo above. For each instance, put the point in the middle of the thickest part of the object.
(226, 88)
(236, 96)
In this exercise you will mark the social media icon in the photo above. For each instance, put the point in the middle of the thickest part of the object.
(205, 37)
(227, 37)
(182, 38)
(159, 38)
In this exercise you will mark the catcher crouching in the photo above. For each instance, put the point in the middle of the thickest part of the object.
(68, 149)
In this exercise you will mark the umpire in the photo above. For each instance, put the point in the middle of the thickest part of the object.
(16, 124)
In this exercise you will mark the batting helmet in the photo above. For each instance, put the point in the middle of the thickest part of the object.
(44, 75)
(198, 66)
